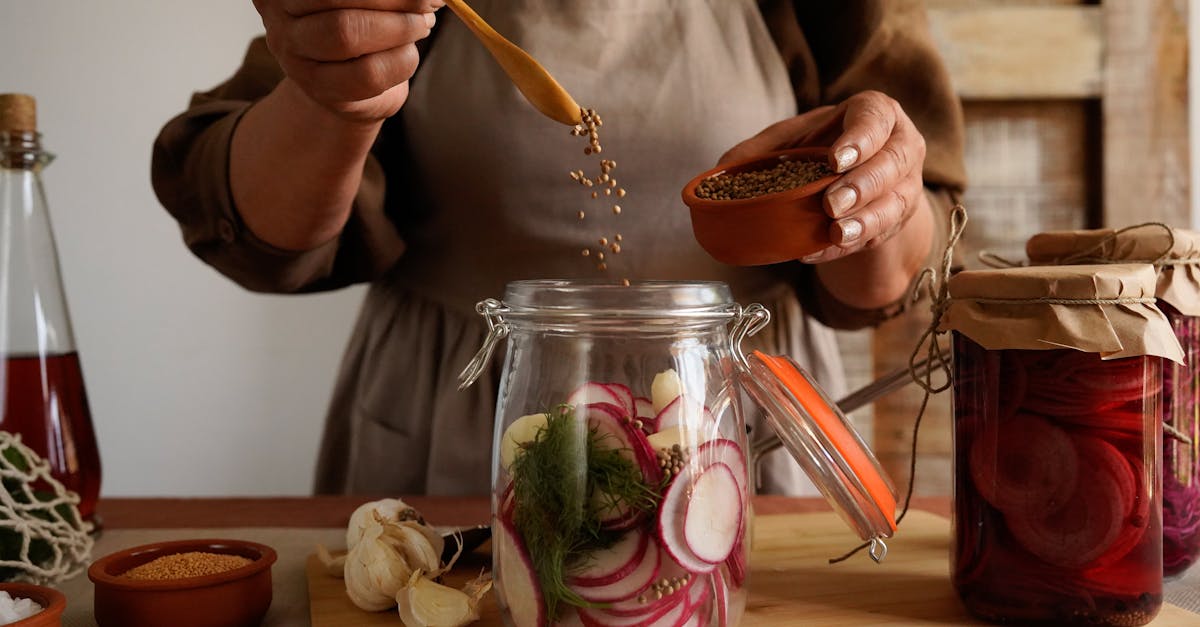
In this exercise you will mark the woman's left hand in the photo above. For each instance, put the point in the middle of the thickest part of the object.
(879, 150)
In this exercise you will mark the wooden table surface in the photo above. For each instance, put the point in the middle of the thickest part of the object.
(334, 511)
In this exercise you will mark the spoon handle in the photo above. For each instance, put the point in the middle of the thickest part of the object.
(538, 86)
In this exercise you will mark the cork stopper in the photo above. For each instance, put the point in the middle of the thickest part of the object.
(18, 113)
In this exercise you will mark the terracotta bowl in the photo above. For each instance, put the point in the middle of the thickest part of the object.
(235, 598)
(52, 601)
(772, 228)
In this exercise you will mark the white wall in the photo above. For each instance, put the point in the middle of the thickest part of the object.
(197, 387)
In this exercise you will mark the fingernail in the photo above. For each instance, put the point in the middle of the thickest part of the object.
(848, 230)
(846, 157)
(841, 199)
(430, 19)
(812, 258)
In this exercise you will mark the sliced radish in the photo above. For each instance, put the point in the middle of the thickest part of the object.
(1026, 466)
(607, 566)
(671, 519)
(592, 392)
(628, 586)
(1086, 526)
(522, 595)
(696, 422)
(652, 617)
(665, 388)
(736, 563)
(644, 408)
(625, 396)
(720, 593)
(522, 431)
(614, 431)
(723, 451)
(507, 503)
(713, 517)
(675, 617)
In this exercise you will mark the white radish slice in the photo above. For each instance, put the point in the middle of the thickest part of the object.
(618, 432)
(723, 451)
(522, 431)
(713, 517)
(671, 520)
(614, 563)
(625, 396)
(665, 388)
(644, 408)
(675, 617)
(628, 586)
(592, 392)
(522, 594)
(603, 618)
(668, 570)
(697, 422)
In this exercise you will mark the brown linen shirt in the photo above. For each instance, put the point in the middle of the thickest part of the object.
(826, 51)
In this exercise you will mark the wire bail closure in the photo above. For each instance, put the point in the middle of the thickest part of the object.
(493, 311)
(750, 320)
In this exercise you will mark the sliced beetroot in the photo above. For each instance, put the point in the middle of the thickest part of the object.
(592, 392)
(723, 451)
(671, 517)
(607, 566)
(628, 586)
(1074, 383)
(1024, 466)
(1086, 526)
(1137, 519)
(522, 594)
(713, 517)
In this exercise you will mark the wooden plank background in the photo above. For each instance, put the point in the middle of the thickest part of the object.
(1076, 117)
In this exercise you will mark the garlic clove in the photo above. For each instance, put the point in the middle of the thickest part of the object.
(391, 510)
(425, 603)
(335, 566)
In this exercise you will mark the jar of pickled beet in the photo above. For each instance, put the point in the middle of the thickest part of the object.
(1175, 254)
(621, 480)
(1057, 420)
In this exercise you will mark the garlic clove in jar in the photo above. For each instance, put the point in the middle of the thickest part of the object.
(665, 388)
(522, 430)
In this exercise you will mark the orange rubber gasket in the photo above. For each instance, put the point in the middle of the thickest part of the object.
(833, 427)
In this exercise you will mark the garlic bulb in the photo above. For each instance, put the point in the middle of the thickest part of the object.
(376, 568)
(393, 510)
(426, 603)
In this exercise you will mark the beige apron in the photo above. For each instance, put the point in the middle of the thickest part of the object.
(677, 83)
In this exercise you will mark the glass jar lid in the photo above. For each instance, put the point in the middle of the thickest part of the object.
(820, 437)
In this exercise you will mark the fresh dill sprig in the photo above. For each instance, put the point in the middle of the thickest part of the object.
(566, 482)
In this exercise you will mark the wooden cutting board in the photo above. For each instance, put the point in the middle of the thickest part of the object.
(791, 582)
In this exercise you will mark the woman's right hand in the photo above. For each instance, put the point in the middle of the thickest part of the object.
(352, 57)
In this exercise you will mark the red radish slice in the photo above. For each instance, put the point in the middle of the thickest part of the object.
(699, 596)
(671, 518)
(522, 593)
(1086, 526)
(726, 452)
(507, 503)
(736, 564)
(618, 432)
(720, 593)
(646, 602)
(695, 419)
(714, 514)
(644, 408)
(625, 396)
(628, 586)
(1024, 466)
(664, 614)
(607, 566)
(592, 392)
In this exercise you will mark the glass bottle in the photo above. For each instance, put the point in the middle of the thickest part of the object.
(621, 483)
(1181, 464)
(41, 381)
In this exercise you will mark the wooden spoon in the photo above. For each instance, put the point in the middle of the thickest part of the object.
(539, 88)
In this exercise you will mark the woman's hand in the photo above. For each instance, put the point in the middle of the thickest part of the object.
(879, 150)
(352, 57)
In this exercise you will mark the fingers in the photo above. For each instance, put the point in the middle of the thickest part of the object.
(874, 223)
(896, 157)
(344, 35)
(869, 120)
(299, 8)
(357, 79)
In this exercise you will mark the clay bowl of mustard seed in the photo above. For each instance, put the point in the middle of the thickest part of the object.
(186, 583)
(52, 601)
(763, 210)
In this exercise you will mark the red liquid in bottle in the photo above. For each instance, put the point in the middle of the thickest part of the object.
(46, 403)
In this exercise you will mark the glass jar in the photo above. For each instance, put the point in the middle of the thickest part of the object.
(1175, 255)
(1181, 433)
(620, 463)
(1057, 425)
